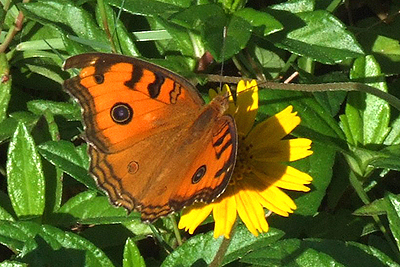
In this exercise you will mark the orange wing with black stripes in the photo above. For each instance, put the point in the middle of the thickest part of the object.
(154, 145)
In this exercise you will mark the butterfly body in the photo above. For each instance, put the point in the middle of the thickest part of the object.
(154, 145)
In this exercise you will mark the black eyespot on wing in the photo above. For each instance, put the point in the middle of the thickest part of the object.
(99, 78)
(121, 113)
(201, 171)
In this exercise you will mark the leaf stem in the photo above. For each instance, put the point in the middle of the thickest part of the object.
(176, 230)
(219, 256)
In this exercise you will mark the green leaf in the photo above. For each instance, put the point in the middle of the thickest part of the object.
(209, 21)
(147, 8)
(45, 71)
(294, 252)
(243, 242)
(9, 125)
(237, 35)
(15, 234)
(381, 41)
(88, 208)
(24, 174)
(202, 247)
(182, 39)
(295, 6)
(13, 264)
(68, 19)
(256, 18)
(53, 247)
(367, 116)
(121, 37)
(331, 101)
(64, 155)
(339, 184)
(270, 61)
(377, 207)
(320, 226)
(6, 209)
(139, 229)
(317, 35)
(132, 257)
(387, 158)
(393, 138)
(5, 86)
(393, 214)
(55, 43)
(67, 110)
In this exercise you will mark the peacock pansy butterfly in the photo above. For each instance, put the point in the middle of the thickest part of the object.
(155, 146)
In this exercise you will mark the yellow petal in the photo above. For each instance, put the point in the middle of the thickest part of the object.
(276, 172)
(194, 215)
(247, 106)
(280, 200)
(273, 129)
(251, 212)
(225, 214)
(271, 197)
(284, 150)
(290, 185)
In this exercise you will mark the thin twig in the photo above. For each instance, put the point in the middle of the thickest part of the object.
(323, 87)
(13, 30)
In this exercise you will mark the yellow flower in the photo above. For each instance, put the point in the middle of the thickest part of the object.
(259, 173)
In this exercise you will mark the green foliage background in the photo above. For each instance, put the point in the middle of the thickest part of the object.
(52, 214)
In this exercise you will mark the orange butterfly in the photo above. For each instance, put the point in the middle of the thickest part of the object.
(154, 145)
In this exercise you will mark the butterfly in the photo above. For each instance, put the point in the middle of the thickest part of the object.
(154, 145)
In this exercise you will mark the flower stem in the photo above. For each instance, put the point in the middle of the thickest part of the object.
(176, 230)
(219, 256)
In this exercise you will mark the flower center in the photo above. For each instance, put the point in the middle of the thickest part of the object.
(243, 163)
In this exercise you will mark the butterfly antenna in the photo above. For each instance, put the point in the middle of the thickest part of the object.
(54, 50)
(58, 54)
(224, 33)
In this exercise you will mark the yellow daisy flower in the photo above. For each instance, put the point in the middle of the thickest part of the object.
(259, 174)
